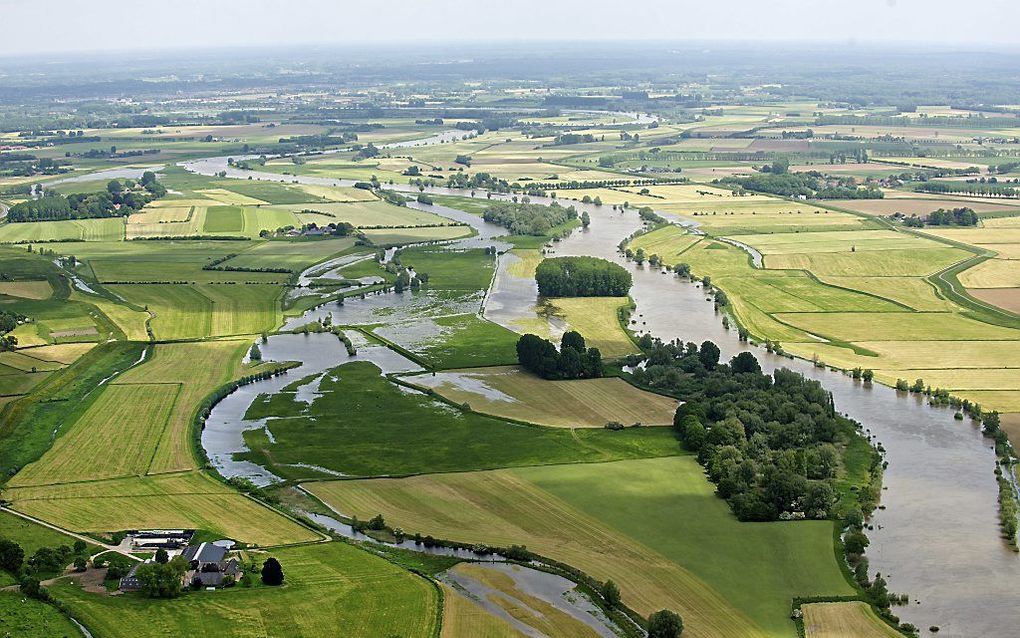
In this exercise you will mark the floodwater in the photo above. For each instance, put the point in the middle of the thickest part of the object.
(551, 589)
(937, 535)
(223, 435)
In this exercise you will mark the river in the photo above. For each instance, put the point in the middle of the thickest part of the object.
(936, 536)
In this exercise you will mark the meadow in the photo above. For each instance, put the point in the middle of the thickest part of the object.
(186, 311)
(328, 586)
(511, 393)
(385, 430)
(654, 526)
(110, 229)
(29, 618)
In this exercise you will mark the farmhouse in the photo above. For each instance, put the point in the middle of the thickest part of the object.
(131, 582)
(209, 566)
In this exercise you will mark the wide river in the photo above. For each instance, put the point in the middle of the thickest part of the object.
(936, 536)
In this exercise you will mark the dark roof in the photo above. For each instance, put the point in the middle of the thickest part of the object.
(209, 579)
(204, 553)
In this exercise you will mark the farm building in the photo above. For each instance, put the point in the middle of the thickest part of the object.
(209, 565)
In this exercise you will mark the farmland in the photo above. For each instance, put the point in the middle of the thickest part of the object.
(514, 394)
(843, 620)
(256, 296)
(380, 417)
(683, 557)
(328, 586)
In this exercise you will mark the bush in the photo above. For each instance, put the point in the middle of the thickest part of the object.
(665, 624)
(272, 572)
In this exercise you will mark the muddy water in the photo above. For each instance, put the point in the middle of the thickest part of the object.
(937, 537)
(554, 590)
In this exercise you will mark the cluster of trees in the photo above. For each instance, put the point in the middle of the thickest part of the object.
(767, 442)
(162, 578)
(574, 138)
(582, 277)
(777, 180)
(44, 562)
(944, 217)
(528, 219)
(574, 360)
(8, 322)
(481, 181)
(120, 198)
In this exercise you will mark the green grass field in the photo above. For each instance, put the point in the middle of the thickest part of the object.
(223, 219)
(31, 536)
(668, 242)
(296, 255)
(363, 425)
(29, 618)
(329, 588)
(26, 426)
(654, 526)
(114, 437)
(164, 261)
(110, 229)
(183, 311)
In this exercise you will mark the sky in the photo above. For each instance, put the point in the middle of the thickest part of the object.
(34, 27)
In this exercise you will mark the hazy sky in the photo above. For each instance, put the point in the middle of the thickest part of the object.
(32, 26)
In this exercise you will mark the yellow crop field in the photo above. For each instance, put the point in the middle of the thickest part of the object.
(183, 311)
(513, 393)
(992, 273)
(370, 213)
(893, 262)
(836, 241)
(131, 322)
(854, 619)
(401, 236)
(230, 198)
(897, 326)
(596, 318)
(185, 500)
(914, 292)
